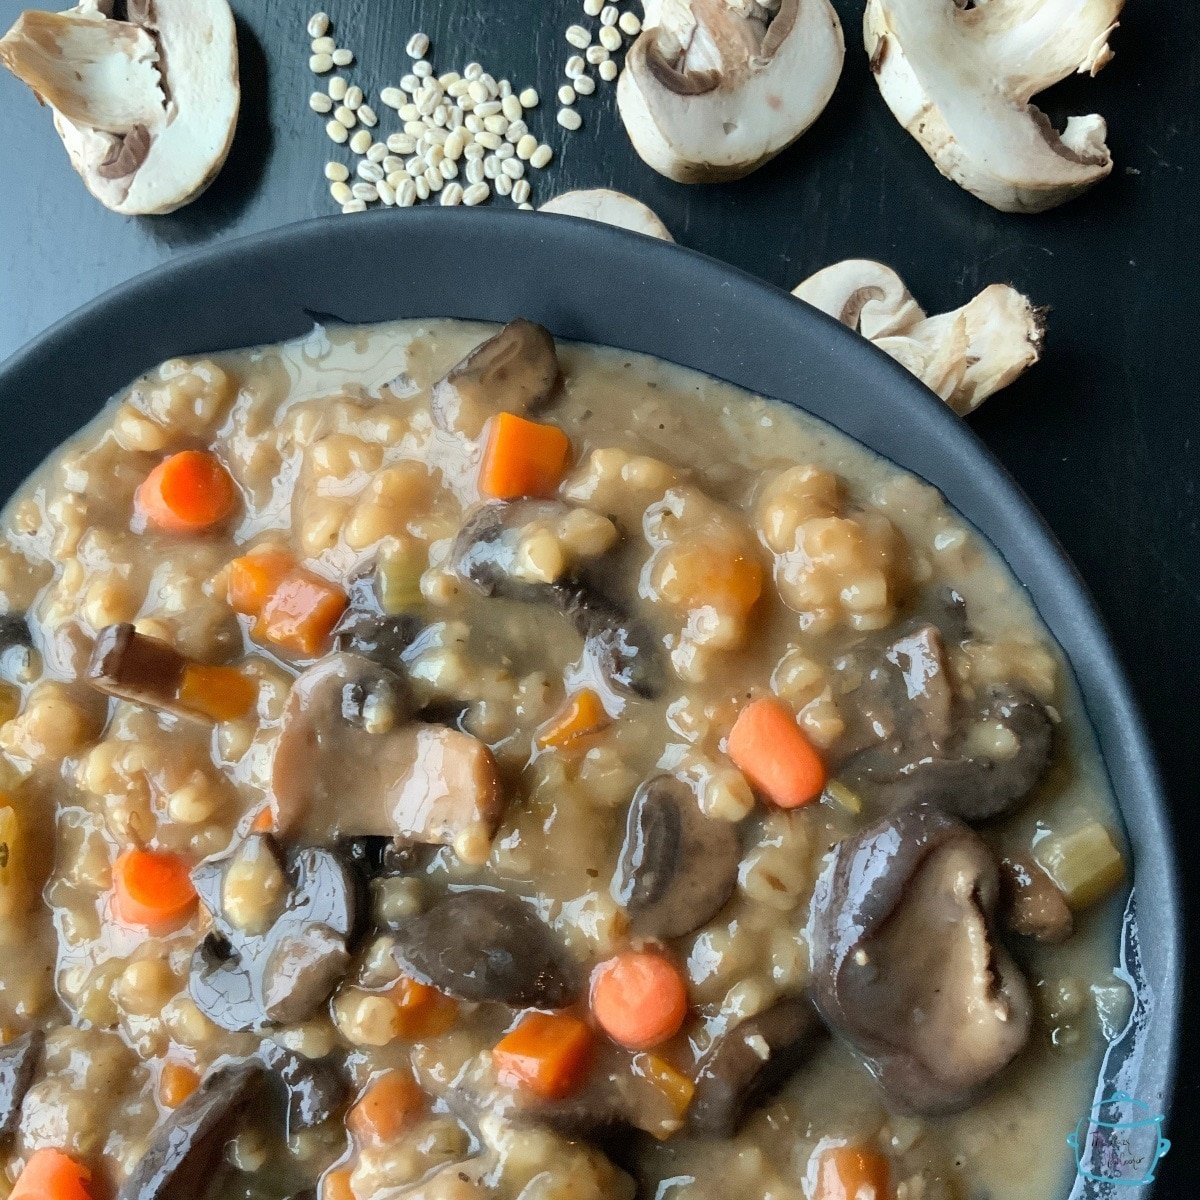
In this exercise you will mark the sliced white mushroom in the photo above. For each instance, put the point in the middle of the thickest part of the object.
(960, 77)
(964, 356)
(713, 89)
(609, 208)
(146, 107)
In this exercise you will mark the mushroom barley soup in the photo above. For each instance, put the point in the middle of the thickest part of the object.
(556, 775)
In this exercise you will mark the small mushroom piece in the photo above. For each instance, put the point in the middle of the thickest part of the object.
(18, 1064)
(906, 964)
(711, 89)
(343, 768)
(748, 1062)
(315, 1090)
(678, 867)
(960, 78)
(964, 356)
(187, 1147)
(486, 945)
(1031, 904)
(146, 107)
(514, 371)
(609, 208)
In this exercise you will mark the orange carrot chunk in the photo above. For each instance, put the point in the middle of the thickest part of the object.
(254, 577)
(219, 693)
(152, 888)
(522, 458)
(187, 493)
(335, 1184)
(391, 1104)
(583, 713)
(176, 1082)
(52, 1175)
(639, 998)
(772, 752)
(547, 1054)
(852, 1173)
(300, 614)
(422, 1011)
(264, 821)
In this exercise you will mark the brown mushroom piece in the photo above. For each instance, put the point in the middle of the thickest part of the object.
(486, 554)
(365, 629)
(677, 867)
(186, 1150)
(482, 944)
(1031, 904)
(906, 964)
(748, 1062)
(315, 1090)
(347, 765)
(516, 371)
(18, 1064)
(284, 968)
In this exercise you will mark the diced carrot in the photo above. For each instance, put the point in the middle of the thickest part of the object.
(772, 752)
(220, 693)
(300, 613)
(176, 1082)
(676, 1089)
(424, 1012)
(639, 998)
(852, 1173)
(547, 1054)
(187, 493)
(264, 821)
(152, 888)
(583, 713)
(522, 458)
(253, 578)
(52, 1175)
(391, 1104)
(335, 1184)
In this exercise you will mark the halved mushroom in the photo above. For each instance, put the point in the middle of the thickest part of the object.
(278, 965)
(18, 1064)
(678, 867)
(146, 107)
(487, 554)
(964, 356)
(186, 1150)
(609, 208)
(746, 1063)
(906, 964)
(482, 944)
(712, 89)
(960, 78)
(346, 765)
(514, 371)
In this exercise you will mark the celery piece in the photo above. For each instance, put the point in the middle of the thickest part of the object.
(1085, 864)
(399, 576)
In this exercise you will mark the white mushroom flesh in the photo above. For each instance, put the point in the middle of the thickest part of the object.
(609, 208)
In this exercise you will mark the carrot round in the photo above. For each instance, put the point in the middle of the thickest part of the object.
(639, 998)
(187, 493)
(391, 1104)
(522, 458)
(152, 888)
(547, 1054)
(770, 749)
(852, 1173)
(52, 1175)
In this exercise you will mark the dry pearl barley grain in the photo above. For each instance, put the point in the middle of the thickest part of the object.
(566, 94)
(526, 146)
(319, 102)
(511, 108)
(578, 36)
(422, 188)
(406, 194)
(341, 192)
(630, 23)
(393, 97)
(377, 152)
(474, 171)
(365, 191)
(529, 98)
(593, 7)
(354, 96)
(525, 206)
(323, 45)
(569, 119)
(541, 157)
(345, 116)
(360, 143)
(366, 114)
(609, 14)
(610, 38)
(418, 46)
(355, 206)
(585, 85)
(318, 25)
(477, 193)
(337, 131)
(342, 57)
(596, 55)
(521, 191)
(608, 71)
(320, 64)
(575, 67)
(338, 87)
(513, 168)
(387, 193)
(452, 194)
(337, 172)
(503, 185)
(369, 171)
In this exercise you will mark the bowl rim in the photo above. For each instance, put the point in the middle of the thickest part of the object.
(595, 283)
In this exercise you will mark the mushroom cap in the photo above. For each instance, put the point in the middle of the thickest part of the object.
(609, 208)
(710, 92)
(960, 80)
(147, 111)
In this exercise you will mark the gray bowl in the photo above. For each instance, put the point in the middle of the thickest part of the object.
(595, 284)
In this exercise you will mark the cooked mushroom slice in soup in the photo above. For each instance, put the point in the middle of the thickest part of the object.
(485, 945)
(515, 371)
(906, 964)
(348, 764)
(315, 1090)
(188, 1146)
(678, 867)
(278, 946)
(18, 1064)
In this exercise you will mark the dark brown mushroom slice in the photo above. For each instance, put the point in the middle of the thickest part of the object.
(514, 371)
(14, 631)
(366, 630)
(315, 1090)
(1031, 903)
(906, 962)
(187, 1147)
(677, 867)
(134, 666)
(482, 945)
(747, 1063)
(19, 1061)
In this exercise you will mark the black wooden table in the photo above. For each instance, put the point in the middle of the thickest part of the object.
(1104, 435)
